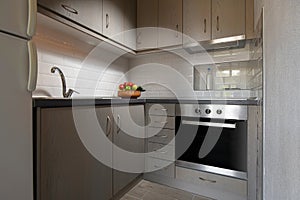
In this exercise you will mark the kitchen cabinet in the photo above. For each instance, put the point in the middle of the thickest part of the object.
(160, 134)
(228, 18)
(169, 23)
(196, 20)
(66, 170)
(86, 13)
(113, 19)
(128, 135)
(159, 23)
(119, 16)
(147, 22)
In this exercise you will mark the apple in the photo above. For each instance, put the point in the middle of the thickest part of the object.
(128, 88)
(130, 84)
(134, 87)
(121, 86)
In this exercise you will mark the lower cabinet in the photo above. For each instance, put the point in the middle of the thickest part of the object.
(66, 169)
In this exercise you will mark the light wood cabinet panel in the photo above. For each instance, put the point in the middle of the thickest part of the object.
(228, 18)
(169, 23)
(147, 22)
(129, 137)
(130, 24)
(67, 169)
(196, 20)
(113, 19)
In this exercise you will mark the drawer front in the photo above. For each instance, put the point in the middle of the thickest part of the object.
(153, 163)
(161, 122)
(217, 182)
(162, 136)
(161, 109)
(162, 151)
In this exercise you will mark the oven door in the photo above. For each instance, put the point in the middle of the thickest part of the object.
(212, 145)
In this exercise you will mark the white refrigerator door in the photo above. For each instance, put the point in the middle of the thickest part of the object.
(18, 17)
(16, 165)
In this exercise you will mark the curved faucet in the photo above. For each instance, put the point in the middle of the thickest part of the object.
(63, 80)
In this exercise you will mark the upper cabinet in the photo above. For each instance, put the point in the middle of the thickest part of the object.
(169, 22)
(119, 20)
(87, 13)
(147, 22)
(228, 18)
(196, 20)
(213, 19)
(159, 23)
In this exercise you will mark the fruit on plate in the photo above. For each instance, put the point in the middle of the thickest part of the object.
(127, 88)
(121, 87)
(134, 87)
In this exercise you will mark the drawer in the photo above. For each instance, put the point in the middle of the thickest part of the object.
(162, 151)
(153, 163)
(161, 122)
(161, 109)
(162, 136)
(213, 181)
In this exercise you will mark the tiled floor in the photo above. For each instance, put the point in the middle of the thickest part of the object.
(146, 190)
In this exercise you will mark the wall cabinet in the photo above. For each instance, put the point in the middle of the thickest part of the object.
(212, 19)
(196, 20)
(228, 18)
(86, 13)
(159, 23)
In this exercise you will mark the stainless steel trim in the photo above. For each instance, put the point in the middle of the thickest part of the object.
(235, 112)
(213, 170)
(211, 124)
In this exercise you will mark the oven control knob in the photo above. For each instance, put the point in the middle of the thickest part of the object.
(219, 112)
(208, 111)
(198, 111)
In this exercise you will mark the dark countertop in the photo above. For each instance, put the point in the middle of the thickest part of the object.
(52, 103)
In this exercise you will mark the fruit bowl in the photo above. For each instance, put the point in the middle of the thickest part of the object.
(129, 94)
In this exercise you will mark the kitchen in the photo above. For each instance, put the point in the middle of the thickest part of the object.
(214, 121)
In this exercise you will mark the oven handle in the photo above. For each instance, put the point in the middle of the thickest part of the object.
(212, 124)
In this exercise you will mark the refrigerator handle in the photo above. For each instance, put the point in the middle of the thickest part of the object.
(32, 15)
(33, 66)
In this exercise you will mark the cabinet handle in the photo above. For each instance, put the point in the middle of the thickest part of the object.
(162, 152)
(31, 22)
(69, 9)
(118, 124)
(205, 23)
(207, 180)
(161, 136)
(177, 30)
(138, 39)
(107, 20)
(108, 124)
(218, 23)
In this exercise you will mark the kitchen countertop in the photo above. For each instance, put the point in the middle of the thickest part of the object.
(53, 102)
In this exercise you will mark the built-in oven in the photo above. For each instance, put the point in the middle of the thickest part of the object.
(212, 138)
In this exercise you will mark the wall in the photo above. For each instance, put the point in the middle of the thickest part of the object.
(147, 71)
(84, 73)
(281, 100)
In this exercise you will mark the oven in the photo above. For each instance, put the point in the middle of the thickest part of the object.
(212, 138)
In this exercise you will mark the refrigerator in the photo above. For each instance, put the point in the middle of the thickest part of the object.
(18, 60)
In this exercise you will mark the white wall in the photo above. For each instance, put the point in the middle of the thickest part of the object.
(89, 77)
(281, 101)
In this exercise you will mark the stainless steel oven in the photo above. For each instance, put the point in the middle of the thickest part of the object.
(212, 138)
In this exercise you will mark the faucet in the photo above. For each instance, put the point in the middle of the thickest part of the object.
(63, 80)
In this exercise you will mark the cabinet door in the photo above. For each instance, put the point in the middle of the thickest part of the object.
(147, 22)
(170, 19)
(67, 169)
(89, 13)
(196, 20)
(62, 7)
(130, 24)
(113, 19)
(127, 119)
(228, 18)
